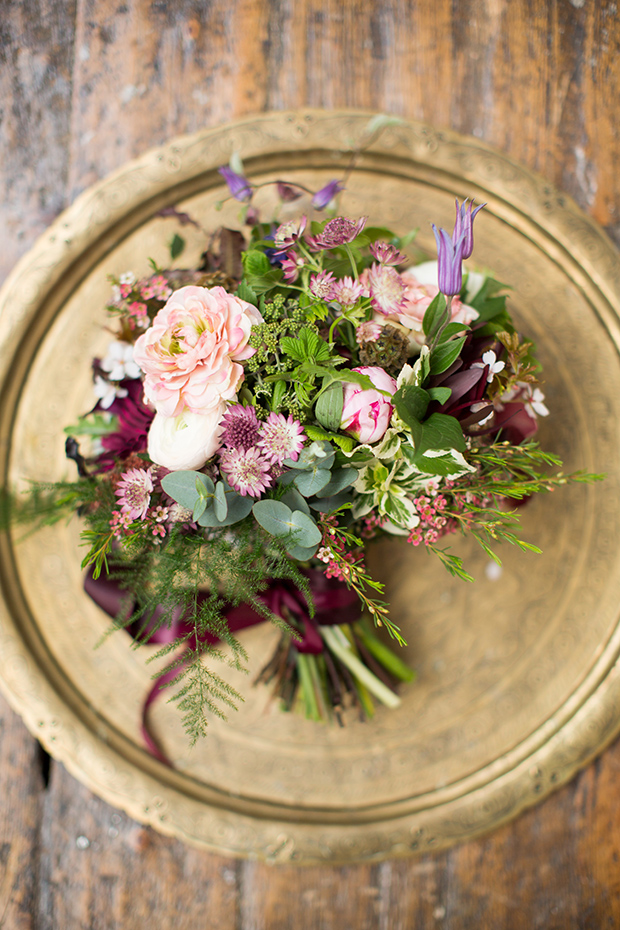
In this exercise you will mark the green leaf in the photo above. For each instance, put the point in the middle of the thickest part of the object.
(255, 263)
(274, 516)
(440, 394)
(435, 312)
(317, 455)
(245, 292)
(310, 483)
(204, 486)
(411, 402)
(451, 330)
(328, 408)
(220, 505)
(181, 487)
(327, 504)
(302, 553)
(279, 390)
(340, 479)
(346, 443)
(294, 500)
(445, 355)
(305, 531)
(199, 508)
(437, 464)
(238, 508)
(176, 246)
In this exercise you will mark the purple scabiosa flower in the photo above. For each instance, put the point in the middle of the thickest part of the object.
(387, 289)
(387, 254)
(337, 232)
(246, 470)
(281, 438)
(238, 186)
(465, 224)
(134, 492)
(325, 196)
(347, 292)
(322, 285)
(291, 265)
(240, 427)
(286, 193)
(287, 234)
(450, 262)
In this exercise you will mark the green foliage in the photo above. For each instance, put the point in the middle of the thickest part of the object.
(176, 246)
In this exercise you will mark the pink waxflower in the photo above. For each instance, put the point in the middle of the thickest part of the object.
(191, 353)
(386, 288)
(281, 438)
(134, 493)
(366, 412)
(347, 292)
(247, 471)
(387, 254)
(337, 232)
(322, 285)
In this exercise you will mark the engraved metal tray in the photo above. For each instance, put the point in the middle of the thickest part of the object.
(517, 684)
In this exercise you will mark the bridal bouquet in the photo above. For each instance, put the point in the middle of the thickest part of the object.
(262, 418)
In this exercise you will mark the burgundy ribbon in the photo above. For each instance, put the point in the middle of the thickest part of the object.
(334, 604)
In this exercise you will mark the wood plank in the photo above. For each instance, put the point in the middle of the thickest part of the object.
(21, 790)
(36, 57)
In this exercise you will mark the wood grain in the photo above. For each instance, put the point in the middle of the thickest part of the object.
(87, 84)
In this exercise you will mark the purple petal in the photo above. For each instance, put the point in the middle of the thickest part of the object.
(237, 184)
(326, 195)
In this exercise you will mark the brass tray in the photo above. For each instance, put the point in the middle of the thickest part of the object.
(518, 683)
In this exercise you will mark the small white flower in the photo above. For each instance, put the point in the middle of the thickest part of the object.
(128, 277)
(119, 363)
(107, 392)
(536, 404)
(490, 358)
(116, 293)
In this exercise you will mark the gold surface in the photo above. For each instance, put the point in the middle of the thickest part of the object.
(517, 680)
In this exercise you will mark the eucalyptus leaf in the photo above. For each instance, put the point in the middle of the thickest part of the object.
(309, 483)
(181, 487)
(295, 501)
(340, 479)
(220, 505)
(274, 516)
(199, 508)
(302, 553)
(238, 508)
(327, 504)
(305, 530)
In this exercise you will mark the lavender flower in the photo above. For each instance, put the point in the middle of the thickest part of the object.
(337, 232)
(238, 186)
(323, 197)
(465, 224)
(450, 261)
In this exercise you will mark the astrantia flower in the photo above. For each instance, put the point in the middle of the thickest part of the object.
(386, 288)
(240, 427)
(322, 285)
(288, 233)
(246, 470)
(291, 265)
(347, 292)
(134, 492)
(281, 438)
(337, 232)
(387, 254)
(367, 332)
(118, 363)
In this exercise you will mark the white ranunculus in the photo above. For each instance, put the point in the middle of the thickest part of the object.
(186, 441)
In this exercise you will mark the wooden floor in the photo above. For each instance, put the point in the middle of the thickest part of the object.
(87, 84)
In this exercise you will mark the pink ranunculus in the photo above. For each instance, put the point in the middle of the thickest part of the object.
(417, 298)
(191, 353)
(366, 412)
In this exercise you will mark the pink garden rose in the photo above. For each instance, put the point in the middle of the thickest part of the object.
(191, 353)
(366, 412)
(417, 298)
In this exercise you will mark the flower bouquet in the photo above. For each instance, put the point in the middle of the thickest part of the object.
(262, 418)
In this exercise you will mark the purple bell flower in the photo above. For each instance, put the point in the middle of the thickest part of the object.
(326, 195)
(465, 223)
(450, 262)
(237, 184)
